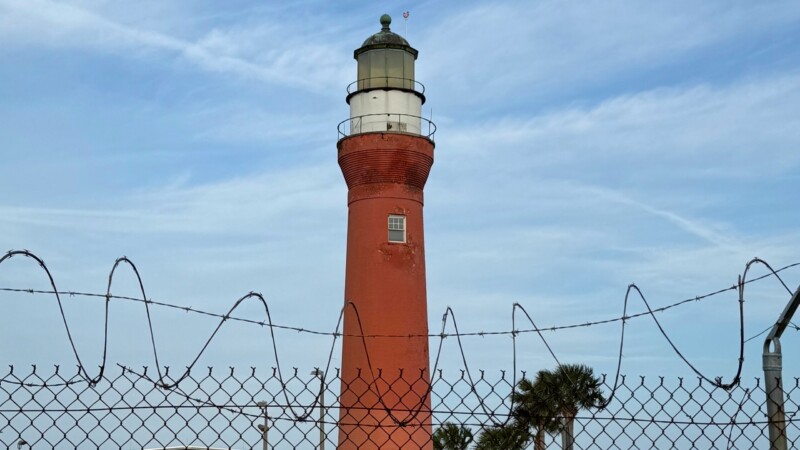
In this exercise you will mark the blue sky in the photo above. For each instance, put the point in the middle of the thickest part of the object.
(580, 147)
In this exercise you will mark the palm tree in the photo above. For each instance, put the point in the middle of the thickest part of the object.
(535, 407)
(509, 437)
(574, 387)
(450, 436)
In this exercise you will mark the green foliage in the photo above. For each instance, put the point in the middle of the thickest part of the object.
(551, 402)
(548, 404)
(576, 388)
(510, 437)
(450, 436)
(536, 407)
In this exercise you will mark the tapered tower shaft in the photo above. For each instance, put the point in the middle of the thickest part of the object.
(385, 153)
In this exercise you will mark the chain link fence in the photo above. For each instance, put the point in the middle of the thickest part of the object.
(253, 409)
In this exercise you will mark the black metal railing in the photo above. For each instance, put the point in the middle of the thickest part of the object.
(406, 84)
(387, 123)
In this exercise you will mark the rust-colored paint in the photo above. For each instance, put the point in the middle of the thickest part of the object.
(385, 174)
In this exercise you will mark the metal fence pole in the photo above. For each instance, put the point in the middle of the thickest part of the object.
(773, 384)
(265, 427)
(319, 373)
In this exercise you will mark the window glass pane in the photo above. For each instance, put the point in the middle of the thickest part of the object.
(408, 70)
(397, 228)
(386, 67)
(397, 222)
(396, 236)
(363, 70)
(394, 67)
(377, 68)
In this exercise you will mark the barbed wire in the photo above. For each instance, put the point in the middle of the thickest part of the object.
(760, 333)
(262, 323)
(717, 381)
(449, 314)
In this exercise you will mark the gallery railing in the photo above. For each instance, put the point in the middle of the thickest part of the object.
(387, 123)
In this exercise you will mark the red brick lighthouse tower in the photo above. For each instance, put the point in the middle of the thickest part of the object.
(385, 153)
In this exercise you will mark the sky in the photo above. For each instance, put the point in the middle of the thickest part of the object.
(580, 147)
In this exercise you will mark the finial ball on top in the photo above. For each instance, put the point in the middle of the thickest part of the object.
(386, 20)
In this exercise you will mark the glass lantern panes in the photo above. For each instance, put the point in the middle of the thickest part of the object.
(397, 228)
(386, 68)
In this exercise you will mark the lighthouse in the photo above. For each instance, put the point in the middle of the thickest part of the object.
(385, 151)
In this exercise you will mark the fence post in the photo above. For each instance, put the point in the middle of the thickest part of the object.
(773, 385)
(772, 365)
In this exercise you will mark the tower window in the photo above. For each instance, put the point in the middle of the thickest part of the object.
(397, 228)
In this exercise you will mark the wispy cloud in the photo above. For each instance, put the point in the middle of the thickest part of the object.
(247, 124)
(547, 48)
(736, 131)
(280, 62)
(693, 227)
(236, 206)
(580, 148)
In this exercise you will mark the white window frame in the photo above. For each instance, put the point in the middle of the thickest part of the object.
(397, 225)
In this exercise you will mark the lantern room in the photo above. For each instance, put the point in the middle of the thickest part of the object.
(385, 97)
(385, 60)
